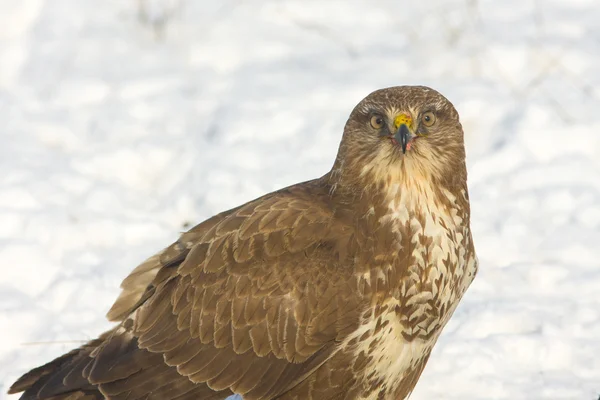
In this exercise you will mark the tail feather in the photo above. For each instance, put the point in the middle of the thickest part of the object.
(60, 379)
(111, 367)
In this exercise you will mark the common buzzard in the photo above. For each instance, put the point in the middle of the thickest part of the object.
(335, 288)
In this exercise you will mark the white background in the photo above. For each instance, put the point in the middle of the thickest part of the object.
(122, 122)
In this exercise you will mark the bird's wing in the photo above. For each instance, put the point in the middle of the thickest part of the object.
(252, 300)
(142, 281)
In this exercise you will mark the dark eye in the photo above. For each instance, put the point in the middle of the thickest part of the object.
(428, 119)
(377, 121)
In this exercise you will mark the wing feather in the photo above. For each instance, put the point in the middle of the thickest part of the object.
(251, 301)
(259, 288)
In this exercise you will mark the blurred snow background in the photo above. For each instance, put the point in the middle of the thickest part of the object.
(123, 122)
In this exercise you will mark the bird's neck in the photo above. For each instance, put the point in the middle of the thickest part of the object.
(371, 198)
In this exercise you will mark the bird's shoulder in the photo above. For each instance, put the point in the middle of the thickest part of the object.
(296, 224)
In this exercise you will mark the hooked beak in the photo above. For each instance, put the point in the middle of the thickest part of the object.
(403, 136)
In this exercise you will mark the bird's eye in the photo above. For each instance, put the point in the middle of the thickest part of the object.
(428, 119)
(377, 121)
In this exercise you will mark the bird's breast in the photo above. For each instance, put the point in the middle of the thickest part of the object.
(433, 264)
(419, 270)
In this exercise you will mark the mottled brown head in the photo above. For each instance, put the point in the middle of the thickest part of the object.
(400, 135)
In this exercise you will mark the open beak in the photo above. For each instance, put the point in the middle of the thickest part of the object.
(403, 137)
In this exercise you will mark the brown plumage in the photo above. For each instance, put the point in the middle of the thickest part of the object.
(335, 288)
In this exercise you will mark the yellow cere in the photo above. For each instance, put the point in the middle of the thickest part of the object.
(403, 119)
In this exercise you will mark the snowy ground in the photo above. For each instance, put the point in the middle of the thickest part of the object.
(125, 121)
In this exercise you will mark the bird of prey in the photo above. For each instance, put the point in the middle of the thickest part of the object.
(334, 288)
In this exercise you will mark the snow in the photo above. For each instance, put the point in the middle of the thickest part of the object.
(124, 123)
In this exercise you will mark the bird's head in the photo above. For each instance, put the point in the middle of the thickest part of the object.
(401, 135)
